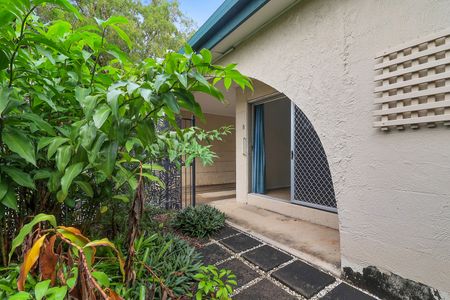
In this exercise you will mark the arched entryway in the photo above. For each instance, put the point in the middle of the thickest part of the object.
(296, 207)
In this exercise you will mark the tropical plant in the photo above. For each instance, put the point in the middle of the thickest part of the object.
(63, 258)
(77, 116)
(214, 284)
(199, 221)
(165, 267)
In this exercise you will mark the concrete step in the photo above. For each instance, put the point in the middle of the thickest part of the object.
(217, 195)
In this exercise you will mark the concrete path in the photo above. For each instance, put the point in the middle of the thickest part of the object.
(265, 272)
(314, 243)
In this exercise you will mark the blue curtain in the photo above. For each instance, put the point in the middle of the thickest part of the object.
(259, 156)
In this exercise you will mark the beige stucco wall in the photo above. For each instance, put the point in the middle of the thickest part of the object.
(392, 189)
(223, 170)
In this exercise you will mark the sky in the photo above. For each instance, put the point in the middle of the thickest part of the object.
(199, 10)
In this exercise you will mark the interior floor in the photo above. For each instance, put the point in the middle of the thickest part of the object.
(208, 193)
(281, 193)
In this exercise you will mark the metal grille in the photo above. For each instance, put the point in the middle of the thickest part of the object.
(313, 185)
(170, 196)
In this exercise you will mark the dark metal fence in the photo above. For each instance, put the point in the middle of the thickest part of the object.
(179, 190)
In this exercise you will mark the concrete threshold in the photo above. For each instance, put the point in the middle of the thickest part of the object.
(317, 244)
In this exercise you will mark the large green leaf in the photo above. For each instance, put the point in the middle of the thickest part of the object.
(88, 103)
(88, 133)
(57, 293)
(42, 174)
(86, 187)
(113, 100)
(19, 143)
(63, 156)
(44, 142)
(10, 199)
(3, 60)
(123, 35)
(54, 145)
(39, 122)
(54, 181)
(40, 289)
(58, 29)
(154, 179)
(110, 158)
(146, 132)
(101, 114)
(4, 98)
(20, 296)
(113, 20)
(3, 188)
(171, 102)
(93, 154)
(71, 172)
(20, 177)
(27, 228)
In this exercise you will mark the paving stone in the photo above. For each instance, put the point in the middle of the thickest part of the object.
(225, 232)
(266, 257)
(244, 274)
(303, 278)
(264, 290)
(345, 292)
(213, 253)
(240, 242)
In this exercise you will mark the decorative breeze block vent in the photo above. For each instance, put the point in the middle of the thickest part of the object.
(412, 84)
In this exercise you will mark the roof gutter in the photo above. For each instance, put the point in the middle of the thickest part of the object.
(229, 16)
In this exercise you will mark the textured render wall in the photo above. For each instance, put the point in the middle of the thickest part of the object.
(392, 189)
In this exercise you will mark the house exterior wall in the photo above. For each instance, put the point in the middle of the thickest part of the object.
(392, 189)
(223, 170)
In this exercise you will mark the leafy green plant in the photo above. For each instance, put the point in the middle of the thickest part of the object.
(214, 284)
(172, 262)
(77, 115)
(200, 221)
(164, 266)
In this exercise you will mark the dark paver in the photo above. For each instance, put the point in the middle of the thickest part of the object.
(266, 257)
(345, 292)
(213, 253)
(225, 232)
(244, 274)
(240, 242)
(303, 278)
(264, 290)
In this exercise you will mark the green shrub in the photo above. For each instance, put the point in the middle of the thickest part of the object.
(173, 264)
(214, 284)
(78, 116)
(200, 221)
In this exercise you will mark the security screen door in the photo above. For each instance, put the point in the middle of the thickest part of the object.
(311, 182)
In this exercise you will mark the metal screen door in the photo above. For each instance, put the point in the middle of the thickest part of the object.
(311, 182)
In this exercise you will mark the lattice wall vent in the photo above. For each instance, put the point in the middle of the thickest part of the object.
(412, 84)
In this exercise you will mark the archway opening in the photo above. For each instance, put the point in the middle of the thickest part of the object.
(296, 206)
